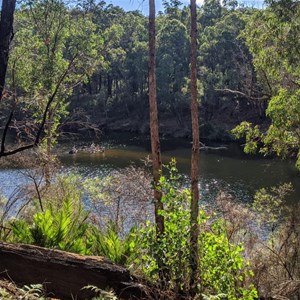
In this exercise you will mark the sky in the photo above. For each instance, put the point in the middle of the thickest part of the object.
(142, 5)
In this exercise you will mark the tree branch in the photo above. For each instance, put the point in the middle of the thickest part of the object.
(39, 133)
(238, 93)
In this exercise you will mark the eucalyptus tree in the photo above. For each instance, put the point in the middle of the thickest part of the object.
(172, 71)
(155, 143)
(6, 35)
(273, 36)
(121, 81)
(226, 70)
(194, 253)
(53, 51)
(172, 7)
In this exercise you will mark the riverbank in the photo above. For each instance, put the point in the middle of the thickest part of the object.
(215, 121)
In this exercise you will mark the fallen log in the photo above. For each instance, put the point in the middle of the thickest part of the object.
(212, 148)
(203, 147)
(64, 274)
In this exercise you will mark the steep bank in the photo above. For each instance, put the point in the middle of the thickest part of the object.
(216, 121)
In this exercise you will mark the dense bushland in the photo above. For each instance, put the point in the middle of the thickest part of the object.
(79, 69)
(90, 62)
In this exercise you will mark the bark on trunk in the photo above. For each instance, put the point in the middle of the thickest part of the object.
(195, 148)
(65, 274)
(155, 144)
(6, 34)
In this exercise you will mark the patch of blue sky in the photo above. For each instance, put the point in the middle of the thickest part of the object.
(142, 5)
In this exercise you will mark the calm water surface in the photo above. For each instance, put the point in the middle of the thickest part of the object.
(228, 170)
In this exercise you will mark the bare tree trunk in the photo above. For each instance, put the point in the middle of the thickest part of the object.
(155, 145)
(194, 259)
(6, 34)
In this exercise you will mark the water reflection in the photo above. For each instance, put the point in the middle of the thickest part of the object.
(229, 170)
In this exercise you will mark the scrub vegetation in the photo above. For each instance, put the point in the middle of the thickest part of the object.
(217, 72)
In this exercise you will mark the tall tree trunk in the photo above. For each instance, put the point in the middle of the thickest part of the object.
(155, 145)
(194, 259)
(109, 86)
(6, 34)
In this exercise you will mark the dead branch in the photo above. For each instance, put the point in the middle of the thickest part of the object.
(203, 147)
(239, 93)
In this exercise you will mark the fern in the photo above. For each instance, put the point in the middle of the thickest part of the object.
(110, 245)
(63, 221)
(21, 231)
(101, 294)
(43, 229)
(66, 229)
(35, 290)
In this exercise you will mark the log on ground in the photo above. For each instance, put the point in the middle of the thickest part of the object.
(64, 274)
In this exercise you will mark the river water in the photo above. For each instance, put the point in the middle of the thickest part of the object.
(228, 170)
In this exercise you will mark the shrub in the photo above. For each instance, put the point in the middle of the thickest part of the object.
(65, 229)
(223, 272)
(223, 269)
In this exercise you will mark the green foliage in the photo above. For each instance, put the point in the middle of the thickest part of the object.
(222, 269)
(108, 243)
(4, 294)
(282, 136)
(172, 70)
(270, 203)
(21, 232)
(53, 50)
(171, 249)
(273, 38)
(252, 134)
(3, 214)
(65, 229)
(108, 77)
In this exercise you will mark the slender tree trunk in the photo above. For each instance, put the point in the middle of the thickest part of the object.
(6, 34)
(155, 145)
(194, 259)
(109, 86)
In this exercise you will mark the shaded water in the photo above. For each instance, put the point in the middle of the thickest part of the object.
(228, 170)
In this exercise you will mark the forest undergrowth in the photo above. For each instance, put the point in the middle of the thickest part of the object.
(244, 250)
